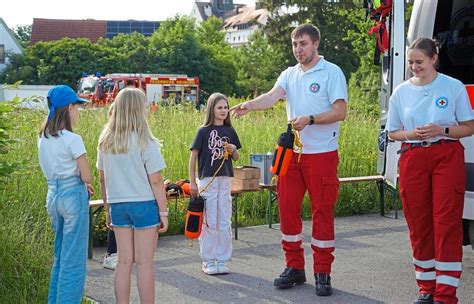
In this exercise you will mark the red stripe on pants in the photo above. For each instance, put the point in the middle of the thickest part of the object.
(316, 173)
(432, 185)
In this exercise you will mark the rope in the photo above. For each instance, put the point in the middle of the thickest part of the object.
(297, 142)
(224, 158)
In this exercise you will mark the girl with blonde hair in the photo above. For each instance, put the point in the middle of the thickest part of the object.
(129, 162)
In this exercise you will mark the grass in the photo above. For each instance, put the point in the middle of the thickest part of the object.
(26, 237)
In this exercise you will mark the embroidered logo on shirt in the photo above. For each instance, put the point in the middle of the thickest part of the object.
(441, 102)
(314, 87)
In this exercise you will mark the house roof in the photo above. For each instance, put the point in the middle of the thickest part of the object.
(55, 29)
(245, 15)
(12, 35)
(200, 6)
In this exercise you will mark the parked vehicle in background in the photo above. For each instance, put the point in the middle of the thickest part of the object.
(159, 88)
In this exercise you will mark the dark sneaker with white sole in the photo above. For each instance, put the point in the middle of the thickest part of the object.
(289, 277)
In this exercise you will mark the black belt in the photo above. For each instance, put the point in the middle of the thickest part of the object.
(423, 144)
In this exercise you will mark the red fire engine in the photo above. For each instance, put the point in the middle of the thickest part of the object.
(159, 88)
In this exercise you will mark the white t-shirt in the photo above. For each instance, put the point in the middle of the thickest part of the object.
(126, 174)
(314, 92)
(446, 104)
(57, 155)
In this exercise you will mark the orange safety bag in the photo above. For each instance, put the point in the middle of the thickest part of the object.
(194, 217)
(283, 152)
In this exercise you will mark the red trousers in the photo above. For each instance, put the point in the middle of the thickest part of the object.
(432, 185)
(317, 174)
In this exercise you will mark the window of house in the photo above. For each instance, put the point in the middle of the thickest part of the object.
(2, 53)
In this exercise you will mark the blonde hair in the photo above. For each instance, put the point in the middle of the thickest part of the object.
(127, 115)
(211, 104)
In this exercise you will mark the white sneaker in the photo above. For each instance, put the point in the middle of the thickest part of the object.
(210, 268)
(222, 267)
(110, 261)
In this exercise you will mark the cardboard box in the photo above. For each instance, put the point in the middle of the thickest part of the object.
(263, 162)
(246, 172)
(245, 184)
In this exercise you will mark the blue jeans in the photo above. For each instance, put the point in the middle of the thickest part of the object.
(68, 208)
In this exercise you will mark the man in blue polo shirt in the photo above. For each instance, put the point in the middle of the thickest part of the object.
(316, 97)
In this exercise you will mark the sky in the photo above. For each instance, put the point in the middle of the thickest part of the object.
(16, 12)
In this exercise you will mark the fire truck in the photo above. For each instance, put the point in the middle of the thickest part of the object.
(159, 88)
(451, 23)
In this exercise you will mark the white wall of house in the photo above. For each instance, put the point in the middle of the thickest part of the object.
(237, 38)
(31, 96)
(8, 44)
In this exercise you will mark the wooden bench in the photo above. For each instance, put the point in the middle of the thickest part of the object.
(379, 179)
(96, 207)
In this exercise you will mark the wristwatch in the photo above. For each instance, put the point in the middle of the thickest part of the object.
(446, 131)
(311, 119)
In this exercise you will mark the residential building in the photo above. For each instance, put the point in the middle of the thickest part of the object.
(55, 29)
(241, 26)
(240, 21)
(8, 44)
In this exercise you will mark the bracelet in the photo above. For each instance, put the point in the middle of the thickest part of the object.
(164, 213)
(406, 136)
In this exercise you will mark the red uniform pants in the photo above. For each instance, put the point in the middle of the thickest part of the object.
(316, 173)
(432, 185)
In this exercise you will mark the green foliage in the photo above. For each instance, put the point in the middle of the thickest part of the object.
(7, 108)
(259, 65)
(221, 56)
(329, 17)
(23, 34)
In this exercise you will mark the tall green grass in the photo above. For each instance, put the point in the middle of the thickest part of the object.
(26, 236)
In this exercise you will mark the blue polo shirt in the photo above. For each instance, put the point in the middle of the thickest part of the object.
(313, 92)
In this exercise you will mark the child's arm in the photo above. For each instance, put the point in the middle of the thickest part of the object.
(193, 188)
(232, 149)
(157, 186)
(84, 171)
(103, 194)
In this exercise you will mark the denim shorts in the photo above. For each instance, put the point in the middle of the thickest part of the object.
(136, 215)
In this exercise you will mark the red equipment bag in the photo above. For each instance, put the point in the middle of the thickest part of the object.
(283, 152)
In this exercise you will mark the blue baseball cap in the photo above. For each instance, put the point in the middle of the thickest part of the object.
(61, 96)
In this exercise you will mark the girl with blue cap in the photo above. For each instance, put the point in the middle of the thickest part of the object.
(63, 160)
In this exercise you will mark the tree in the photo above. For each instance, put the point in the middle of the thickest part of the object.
(179, 51)
(221, 55)
(328, 16)
(131, 53)
(23, 34)
(259, 65)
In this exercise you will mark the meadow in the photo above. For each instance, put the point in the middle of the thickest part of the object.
(26, 237)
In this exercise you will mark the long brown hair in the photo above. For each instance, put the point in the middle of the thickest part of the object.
(60, 121)
(211, 104)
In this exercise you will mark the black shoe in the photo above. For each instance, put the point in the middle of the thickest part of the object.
(290, 277)
(323, 284)
(424, 298)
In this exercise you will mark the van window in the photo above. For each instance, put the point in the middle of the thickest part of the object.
(454, 29)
